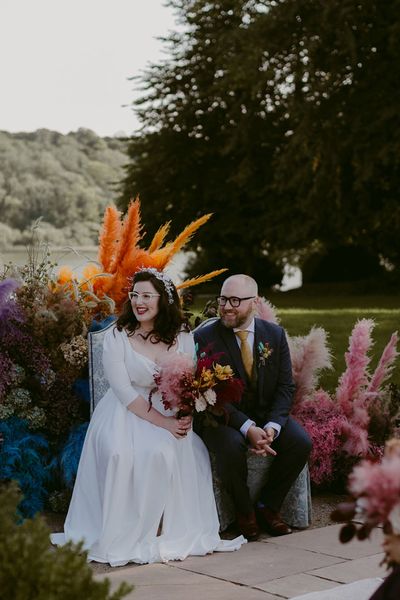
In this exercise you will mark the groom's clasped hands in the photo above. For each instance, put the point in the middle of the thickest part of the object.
(260, 440)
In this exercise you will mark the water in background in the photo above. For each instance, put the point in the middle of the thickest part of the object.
(78, 258)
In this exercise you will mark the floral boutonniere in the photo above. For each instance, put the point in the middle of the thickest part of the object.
(264, 352)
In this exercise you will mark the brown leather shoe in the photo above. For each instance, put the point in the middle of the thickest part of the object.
(248, 526)
(271, 522)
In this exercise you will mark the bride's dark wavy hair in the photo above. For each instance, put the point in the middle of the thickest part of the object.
(169, 320)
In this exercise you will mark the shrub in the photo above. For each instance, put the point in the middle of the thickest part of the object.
(31, 568)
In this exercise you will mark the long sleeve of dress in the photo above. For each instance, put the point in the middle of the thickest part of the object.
(186, 344)
(115, 369)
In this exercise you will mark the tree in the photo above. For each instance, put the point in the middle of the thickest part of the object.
(65, 179)
(343, 132)
(204, 150)
(262, 115)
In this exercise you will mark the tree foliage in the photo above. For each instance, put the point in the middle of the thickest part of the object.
(65, 179)
(282, 118)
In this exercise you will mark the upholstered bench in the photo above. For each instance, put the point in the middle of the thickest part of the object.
(296, 509)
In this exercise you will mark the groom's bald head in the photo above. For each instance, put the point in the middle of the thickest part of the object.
(247, 285)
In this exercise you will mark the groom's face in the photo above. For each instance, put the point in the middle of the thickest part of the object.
(241, 315)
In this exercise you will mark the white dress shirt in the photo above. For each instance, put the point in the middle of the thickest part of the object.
(250, 338)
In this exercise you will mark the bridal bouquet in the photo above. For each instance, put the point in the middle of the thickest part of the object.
(375, 488)
(202, 388)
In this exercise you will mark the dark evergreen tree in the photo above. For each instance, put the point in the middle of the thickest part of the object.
(282, 118)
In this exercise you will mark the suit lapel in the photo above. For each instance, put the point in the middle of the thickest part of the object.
(259, 337)
(229, 339)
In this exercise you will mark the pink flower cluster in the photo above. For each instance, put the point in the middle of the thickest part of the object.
(378, 487)
(324, 423)
(339, 424)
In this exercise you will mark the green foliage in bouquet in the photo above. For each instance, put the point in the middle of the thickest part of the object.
(31, 568)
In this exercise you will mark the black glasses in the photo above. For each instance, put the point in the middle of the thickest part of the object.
(234, 301)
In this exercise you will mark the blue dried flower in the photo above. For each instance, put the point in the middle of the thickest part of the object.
(24, 458)
(71, 453)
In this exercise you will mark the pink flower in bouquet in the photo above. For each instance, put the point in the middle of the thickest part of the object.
(174, 381)
(206, 388)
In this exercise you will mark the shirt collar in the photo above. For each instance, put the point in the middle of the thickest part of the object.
(249, 328)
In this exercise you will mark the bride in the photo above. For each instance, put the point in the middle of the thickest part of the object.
(143, 491)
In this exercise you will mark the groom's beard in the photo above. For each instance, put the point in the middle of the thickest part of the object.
(233, 318)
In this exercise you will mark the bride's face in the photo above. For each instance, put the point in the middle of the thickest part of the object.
(144, 301)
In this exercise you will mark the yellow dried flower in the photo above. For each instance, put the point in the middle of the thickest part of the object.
(223, 372)
(207, 377)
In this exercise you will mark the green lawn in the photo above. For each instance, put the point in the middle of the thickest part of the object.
(339, 323)
(337, 313)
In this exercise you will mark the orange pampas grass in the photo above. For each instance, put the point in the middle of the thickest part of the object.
(199, 279)
(159, 237)
(90, 272)
(130, 234)
(65, 275)
(120, 255)
(109, 238)
(184, 237)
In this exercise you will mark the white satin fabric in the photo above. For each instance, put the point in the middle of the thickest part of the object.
(133, 474)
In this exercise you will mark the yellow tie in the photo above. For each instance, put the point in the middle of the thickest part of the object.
(246, 351)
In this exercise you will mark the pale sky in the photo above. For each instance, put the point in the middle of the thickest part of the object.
(65, 64)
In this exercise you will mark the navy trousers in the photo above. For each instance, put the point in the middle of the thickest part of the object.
(292, 446)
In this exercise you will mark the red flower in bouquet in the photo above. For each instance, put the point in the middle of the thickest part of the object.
(206, 387)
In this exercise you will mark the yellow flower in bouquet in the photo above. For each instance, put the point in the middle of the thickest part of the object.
(206, 379)
(223, 373)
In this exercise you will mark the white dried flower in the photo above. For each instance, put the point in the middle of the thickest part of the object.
(200, 404)
(210, 397)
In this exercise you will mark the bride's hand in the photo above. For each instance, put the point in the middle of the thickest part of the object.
(186, 422)
(178, 427)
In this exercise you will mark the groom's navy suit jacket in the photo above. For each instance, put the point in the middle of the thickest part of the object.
(269, 396)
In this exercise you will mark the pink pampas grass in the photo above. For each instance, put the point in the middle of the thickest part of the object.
(355, 376)
(265, 310)
(309, 355)
(385, 365)
(357, 443)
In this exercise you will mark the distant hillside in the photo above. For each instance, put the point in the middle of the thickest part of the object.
(65, 179)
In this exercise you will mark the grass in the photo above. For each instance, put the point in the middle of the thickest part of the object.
(339, 324)
(337, 313)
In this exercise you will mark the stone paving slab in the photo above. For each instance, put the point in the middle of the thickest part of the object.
(326, 541)
(163, 582)
(352, 570)
(292, 585)
(362, 590)
(257, 563)
(311, 561)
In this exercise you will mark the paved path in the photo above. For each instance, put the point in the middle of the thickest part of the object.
(273, 568)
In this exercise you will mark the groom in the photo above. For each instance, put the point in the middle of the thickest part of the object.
(258, 353)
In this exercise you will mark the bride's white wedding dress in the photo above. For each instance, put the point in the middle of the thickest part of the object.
(133, 475)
